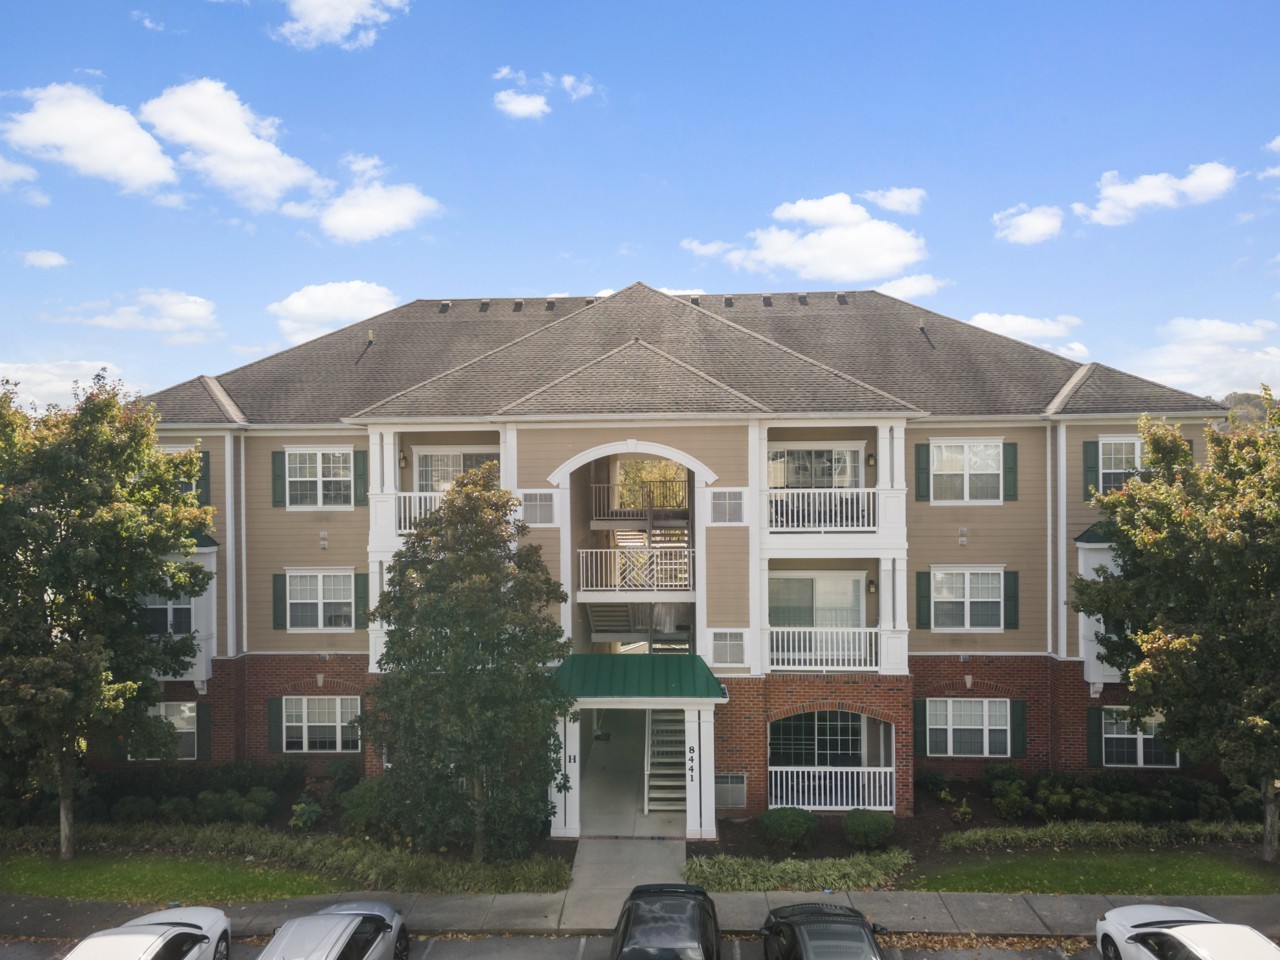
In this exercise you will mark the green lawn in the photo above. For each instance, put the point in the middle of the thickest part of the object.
(154, 878)
(1179, 872)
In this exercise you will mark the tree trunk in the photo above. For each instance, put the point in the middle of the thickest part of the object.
(478, 811)
(1269, 818)
(66, 797)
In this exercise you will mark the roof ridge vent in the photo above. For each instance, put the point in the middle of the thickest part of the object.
(445, 305)
(728, 301)
(804, 299)
(551, 303)
(517, 306)
(842, 299)
(590, 301)
(484, 305)
(695, 300)
(767, 300)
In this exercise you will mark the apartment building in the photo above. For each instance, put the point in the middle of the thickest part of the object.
(813, 543)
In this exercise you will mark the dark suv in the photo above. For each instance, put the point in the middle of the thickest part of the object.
(667, 921)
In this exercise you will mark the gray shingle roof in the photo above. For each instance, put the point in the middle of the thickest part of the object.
(642, 351)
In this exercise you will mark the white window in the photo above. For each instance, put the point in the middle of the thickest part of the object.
(321, 600)
(815, 599)
(731, 789)
(182, 716)
(1130, 744)
(321, 724)
(968, 728)
(726, 506)
(967, 598)
(164, 615)
(815, 467)
(318, 479)
(539, 508)
(1119, 458)
(727, 647)
(438, 467)
(965, 471)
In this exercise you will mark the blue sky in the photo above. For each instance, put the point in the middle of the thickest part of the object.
(188, 185)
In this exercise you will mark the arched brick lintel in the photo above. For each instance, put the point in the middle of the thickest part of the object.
(812, 706)
(955, 687)
(335, 688)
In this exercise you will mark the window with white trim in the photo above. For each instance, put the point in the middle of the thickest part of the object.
(802, 599)
(321, 600)
(967, 598)
(321, 724)
(815, 467)
(824, 738)
(1119, 458)
(731, 789)
(437, 467)
(182, 717)
(318, 479)
(1134, 744)
(163, 615)
(966, 471)
(539, 508)
(726, 506)
(968, 728)
(728, 647)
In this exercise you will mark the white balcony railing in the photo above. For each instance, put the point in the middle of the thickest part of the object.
(824, 648)
(832, 788)
(823, 509)
(412, 507)
(635, 500)
(635, 569)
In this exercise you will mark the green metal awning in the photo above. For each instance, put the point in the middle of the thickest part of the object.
(1094, 535)
(640, 676)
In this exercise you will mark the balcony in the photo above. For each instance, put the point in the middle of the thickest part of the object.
(631, 570)
(412, 507)
(835, 510)
(824, 648)
(639, 501)
(832, 788)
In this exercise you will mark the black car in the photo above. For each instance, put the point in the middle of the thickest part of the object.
(667, 921)
(820, 931)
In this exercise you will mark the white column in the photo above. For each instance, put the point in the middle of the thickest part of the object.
(884, 457)
(564, 519)
(707, 735)
(753, 511)
(700, 773)
(229, 513)
(567, 820)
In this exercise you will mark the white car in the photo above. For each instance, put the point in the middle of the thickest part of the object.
(183, 933)
(1149, 931)
(359, 930)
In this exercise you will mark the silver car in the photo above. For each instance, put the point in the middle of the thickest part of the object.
(182, 933)
(359, 930)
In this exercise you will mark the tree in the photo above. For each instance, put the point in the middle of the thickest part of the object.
(1193, 607)
(92, 515)
(467, 707)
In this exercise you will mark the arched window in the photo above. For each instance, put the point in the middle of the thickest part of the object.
(824, 738)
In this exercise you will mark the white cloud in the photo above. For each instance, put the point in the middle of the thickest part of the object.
(1024, 224)
(72, 125)
(844, 243)
(1270, 172)
(141, 17)
(897, 199)
(46, 383)
(606, 292)
(576, 87)
(44, 259)
(180, 319)
(506, 73)
(1273, 146)
(351, 24)
(913, 286)
(1075, 350)
(521, 106)
(11, 173)
(1119, 202)
(227, 144)
(692, 292)
(371, 209)
(322, 307)
(1026, 328)
(558, 296)
(1213, 357)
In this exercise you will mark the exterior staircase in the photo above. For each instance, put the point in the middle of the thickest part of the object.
(665, 790)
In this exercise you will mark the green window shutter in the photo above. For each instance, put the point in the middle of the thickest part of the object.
(360, 472)
(279, 601)
(1093, 735)
(204, 732)
(204, 492)
(1091, 481)
(1191, 447)
(1010, 600)
(924, 601)
(919, 715)
(362, 601)
(277, 478)
(922, 471)
(1017, 728)
(275, 725)
(1011, 471)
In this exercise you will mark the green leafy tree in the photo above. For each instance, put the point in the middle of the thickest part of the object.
(92, 514)
(1193, 608)
(467, 707)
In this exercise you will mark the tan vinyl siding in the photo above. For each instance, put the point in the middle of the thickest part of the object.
(548, 539)
(451, 438)
(542, 451)
(728, 580)
(280, 538)
(1011, 533)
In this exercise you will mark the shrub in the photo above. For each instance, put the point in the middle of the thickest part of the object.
(863, 871)
(264, 797)
(933, 782)
(995, 775)
(344, 774)
(789, 828)
(211, 806)
(868, 829)
(307, 812)
(133, 810)
(366, 808)
(178, 810)
(1010, 799)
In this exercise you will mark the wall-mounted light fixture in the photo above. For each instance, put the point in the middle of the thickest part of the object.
(871, 586)
(404, 460)
(871, 459)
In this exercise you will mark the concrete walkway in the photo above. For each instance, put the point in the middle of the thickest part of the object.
(605, 870)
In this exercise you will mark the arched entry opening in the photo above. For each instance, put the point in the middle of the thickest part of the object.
(831, 760)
